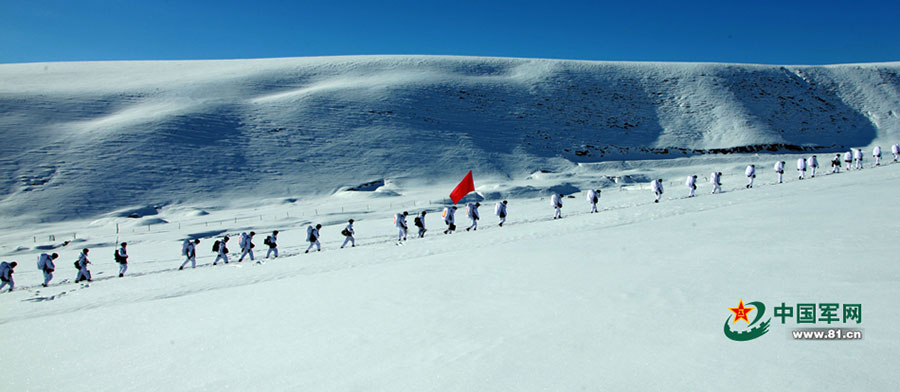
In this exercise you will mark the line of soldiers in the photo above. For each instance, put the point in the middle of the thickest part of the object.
(220, 247)
(853, 159)
(46, 264)
(854, 156)
(449, 217)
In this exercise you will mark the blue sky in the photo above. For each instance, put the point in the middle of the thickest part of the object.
(767, 32)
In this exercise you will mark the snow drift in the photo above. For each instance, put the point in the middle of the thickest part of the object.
(86, 138)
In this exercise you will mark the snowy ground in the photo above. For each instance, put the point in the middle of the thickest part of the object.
(632, 298)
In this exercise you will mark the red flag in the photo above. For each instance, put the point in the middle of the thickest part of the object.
(467, 185)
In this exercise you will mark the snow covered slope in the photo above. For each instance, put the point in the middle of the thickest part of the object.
(630, 299)
(86, 138)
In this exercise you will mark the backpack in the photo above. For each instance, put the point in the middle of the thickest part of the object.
(345, 232)
(418, 221)
(268, 241)
(77, 266)
(216, 245)
(116, 256)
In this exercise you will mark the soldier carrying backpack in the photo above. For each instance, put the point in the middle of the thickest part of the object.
(122, 258)
(81, 264)
(6, 275)
(272, 242)
(348, 235)
(419, 221)
(221, 249)
(45, 264)
(312, 235)
(189, 251)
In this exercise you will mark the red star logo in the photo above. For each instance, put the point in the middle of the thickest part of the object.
(740, 312)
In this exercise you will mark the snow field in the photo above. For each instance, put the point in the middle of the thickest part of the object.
(632, 298)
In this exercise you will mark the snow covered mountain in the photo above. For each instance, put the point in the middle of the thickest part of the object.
(86, 138)
(631, 298)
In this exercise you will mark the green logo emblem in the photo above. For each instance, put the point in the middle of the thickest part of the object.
(740, 313)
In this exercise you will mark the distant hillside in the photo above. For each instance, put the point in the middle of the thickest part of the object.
(85, 138)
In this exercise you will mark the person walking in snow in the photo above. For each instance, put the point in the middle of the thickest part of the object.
(312, 236)
(272, 242)
(472, 212)
(836, 164)
(449, 219)
(813, 164)
(222, 248)
(779, 168)
(657, 188)
(500, 211)
(82, 264)
(895, 151)
(184, 246)
(419, 221)
(348, 235)
(45, 264)
(593, 196)
(801, 168)
(556, 202)
(750, 172)
(876, 153)
(122, 259)
(848, 158)
(691, 183)
(858, 158)
(189, 251)
(400, 222)
(716, 180)
(6, 275)
(246, 245)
